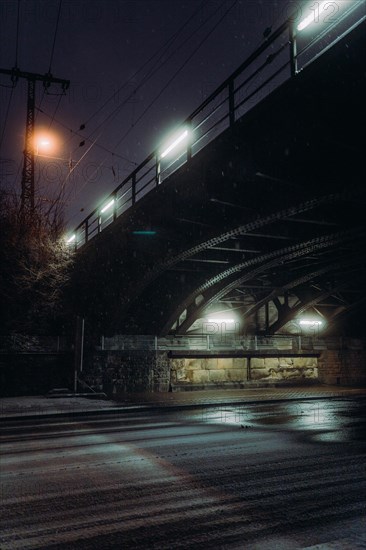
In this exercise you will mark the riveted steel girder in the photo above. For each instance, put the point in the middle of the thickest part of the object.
(261, 264)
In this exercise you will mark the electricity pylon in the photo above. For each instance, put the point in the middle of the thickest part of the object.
(27, 195)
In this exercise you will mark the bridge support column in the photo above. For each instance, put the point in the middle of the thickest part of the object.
(343, 366)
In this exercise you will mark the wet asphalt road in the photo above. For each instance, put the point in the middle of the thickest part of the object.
(282, 475)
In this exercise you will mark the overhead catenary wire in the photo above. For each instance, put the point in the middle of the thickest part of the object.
(14, 83)
(53, 117)
(52, 55)
(152, 71)
(191, 55)
(55, 35)
(200, 44)
(163, 48)
(62, 186)
(6, 117)
(160, 52)
(264, 38)
(55, 111)
(74, 132)
(17, 36)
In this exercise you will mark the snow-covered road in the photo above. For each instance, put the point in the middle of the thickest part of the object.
(265, 476)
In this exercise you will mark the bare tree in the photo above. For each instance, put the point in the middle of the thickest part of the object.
(35, 265)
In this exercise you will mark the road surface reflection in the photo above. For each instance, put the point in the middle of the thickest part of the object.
(328, 421)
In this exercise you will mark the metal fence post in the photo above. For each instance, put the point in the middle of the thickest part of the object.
(115, 206)
(157, 170)
(133, 188)
(189, 146)
(293, 48)
(79, 349)
(86, 231)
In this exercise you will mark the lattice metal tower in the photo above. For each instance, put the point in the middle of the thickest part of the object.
(27, 193)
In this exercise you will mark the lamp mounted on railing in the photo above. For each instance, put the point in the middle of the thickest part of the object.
(169, 147)
(107, 206)
(282, 54)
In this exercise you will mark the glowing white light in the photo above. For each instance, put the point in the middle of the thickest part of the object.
(312, 18)
(71, 239)
(309, 322)
(107, 206)
(44, 143)
(221, 320)
(174, 144)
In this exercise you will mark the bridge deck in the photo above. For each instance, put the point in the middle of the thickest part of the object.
(266, 221)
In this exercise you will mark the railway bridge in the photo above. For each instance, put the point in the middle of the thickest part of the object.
(251, 217)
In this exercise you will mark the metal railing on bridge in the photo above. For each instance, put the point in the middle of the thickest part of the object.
(221, 343)
(283, 54)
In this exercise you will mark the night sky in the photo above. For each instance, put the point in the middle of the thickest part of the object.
(120, 56)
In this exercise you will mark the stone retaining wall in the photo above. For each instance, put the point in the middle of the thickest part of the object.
(284, 368)
(209, 369)
(345, 367)
(117, 372)
(121, 371)
(203, 370)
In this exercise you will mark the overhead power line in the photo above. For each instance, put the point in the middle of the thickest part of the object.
(117, 109)
(160, 52)
(163, 48)
(45, 90)
(191, 55)
(179, 70)
(17, 36)
(55, 34)
(74, 132)
(6, 117)
(155, 68)
(14, 82)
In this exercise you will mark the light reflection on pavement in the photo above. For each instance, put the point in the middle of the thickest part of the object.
(327, 421)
